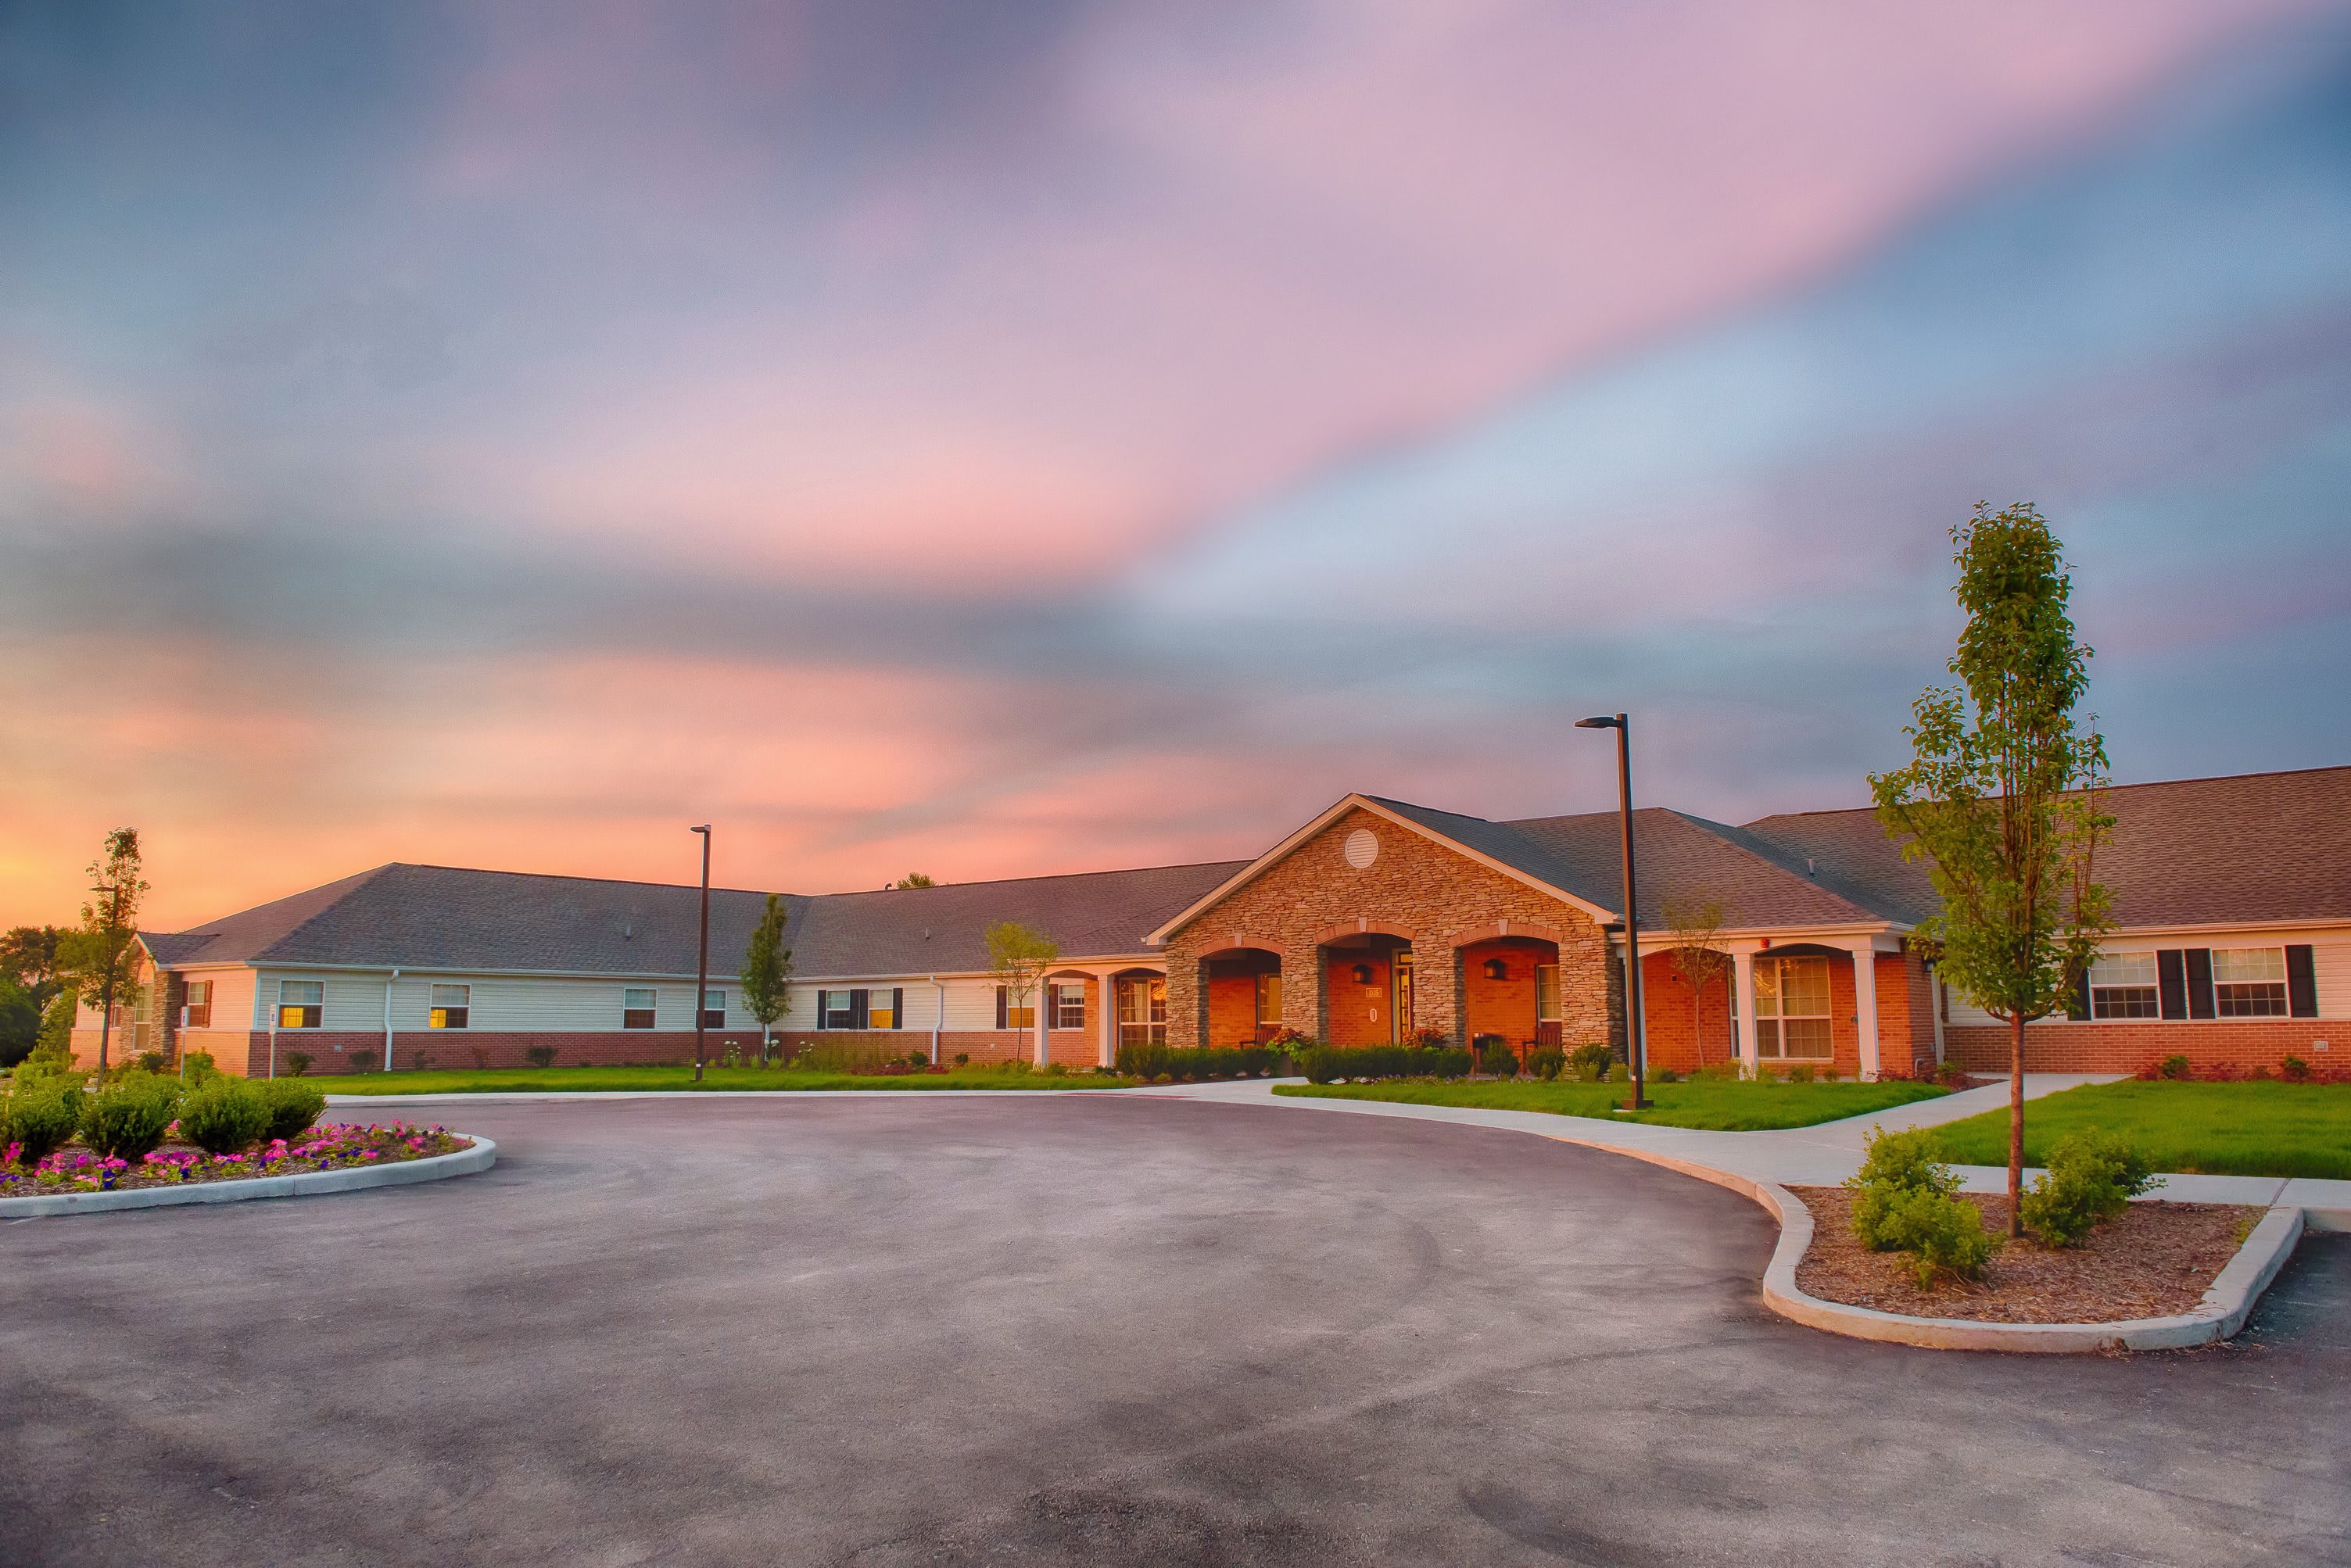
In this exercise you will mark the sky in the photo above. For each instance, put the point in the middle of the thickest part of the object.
(1044, 437)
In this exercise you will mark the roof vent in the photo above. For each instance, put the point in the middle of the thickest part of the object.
(1808, 867)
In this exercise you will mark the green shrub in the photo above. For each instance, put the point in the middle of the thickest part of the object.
(1547, 1063)
(1325, 1064)
(2174, 1068)
(1592, 1062)
(1665, 1075)
(2294, 1069)
(1238, 1061)
(1717, 1072)
(223, 1115)
(150, 1062)
(196, 1067)
(127, 1119)
(1905, 1201)
(1497, 1059)
(298, 1062)
(41, 1115)
(294, 1107)
(963, 1059)
(1943, 1233)
(1803, 1074)
(540, 1055)
(2091, 1177)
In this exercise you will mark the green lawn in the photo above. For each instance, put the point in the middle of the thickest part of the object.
(1718, 1107)
(579, 1080)
(2218, 1129)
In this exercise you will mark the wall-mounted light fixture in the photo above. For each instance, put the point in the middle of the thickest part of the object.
(1496, 969)
(1362, 974)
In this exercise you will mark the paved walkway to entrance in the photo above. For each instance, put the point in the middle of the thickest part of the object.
(1822, 1155)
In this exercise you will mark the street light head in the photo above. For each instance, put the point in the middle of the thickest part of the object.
(703, 828)
(1602, 723)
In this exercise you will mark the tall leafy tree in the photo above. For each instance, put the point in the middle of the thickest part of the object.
(1018, 957)
(29, 956)
(102, 958)
(768, 971)
(20, 1023)
(2001, 797)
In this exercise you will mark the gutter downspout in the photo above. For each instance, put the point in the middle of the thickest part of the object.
(938, 1017)
(388, 983)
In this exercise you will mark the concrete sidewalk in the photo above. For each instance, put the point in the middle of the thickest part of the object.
(1819, 1156)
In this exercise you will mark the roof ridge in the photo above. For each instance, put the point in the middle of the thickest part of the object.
(602, 881)
(2104, 789)
(1040, 876)
(362, 880)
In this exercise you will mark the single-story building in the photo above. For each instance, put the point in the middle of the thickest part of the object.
(1785, 942)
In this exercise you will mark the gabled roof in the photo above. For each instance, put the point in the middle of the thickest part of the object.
(450, 918)
(2255, 847)
(1579, 861)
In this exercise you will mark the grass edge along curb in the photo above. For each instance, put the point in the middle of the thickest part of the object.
(2228, 1300)
(481, 1156)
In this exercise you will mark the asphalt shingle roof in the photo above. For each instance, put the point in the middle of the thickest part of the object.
(445, 917)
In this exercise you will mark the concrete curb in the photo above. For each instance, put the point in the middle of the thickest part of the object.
(436, 1167)
(2223, 1310)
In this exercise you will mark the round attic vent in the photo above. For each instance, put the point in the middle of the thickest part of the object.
(1363, 848)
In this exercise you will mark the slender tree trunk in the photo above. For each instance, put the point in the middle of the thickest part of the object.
(2016, 1126)
(105, 1024)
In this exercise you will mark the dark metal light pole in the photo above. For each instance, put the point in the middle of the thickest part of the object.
(1635, 1048)
(702, 953)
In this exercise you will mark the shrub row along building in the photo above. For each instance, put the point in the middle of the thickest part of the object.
(2232, 898)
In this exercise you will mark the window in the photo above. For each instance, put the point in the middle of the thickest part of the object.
(2125, 986)
(1069, 1004)
(199, 1005)
(637, 1008)
(451, 1006)
(714, 1009)
(1547, 993)
(1269, 998)
(1009, 1017)
(836, 1009)
(301, 1004)
(1400, 999)
(1143, 1010)
(2248, 982)
(1791, 1009)
(882, 1012)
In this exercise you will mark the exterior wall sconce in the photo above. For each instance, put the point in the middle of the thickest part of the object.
(1362, 974)
(1496, 969)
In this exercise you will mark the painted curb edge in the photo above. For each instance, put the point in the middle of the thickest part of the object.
(434, 1168)
(2223, 1310)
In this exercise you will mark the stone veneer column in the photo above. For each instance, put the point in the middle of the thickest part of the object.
(1435, 989)
(1305, 1008)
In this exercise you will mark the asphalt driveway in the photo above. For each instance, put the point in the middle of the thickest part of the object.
(1081, 1330)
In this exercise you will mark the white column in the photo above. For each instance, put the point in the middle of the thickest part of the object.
(1935, 1005)
(1864, 1006)
(1044, 1000)
(1742, 966)
(1106, 1026)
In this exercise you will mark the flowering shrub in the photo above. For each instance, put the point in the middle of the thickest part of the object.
(334, 1147)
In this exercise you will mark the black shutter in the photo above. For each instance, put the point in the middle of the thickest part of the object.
(898, 1006)
(2077, 1001)
(2301, 983)
(999, 1009)
(2199, 982)
(822, 1001)
(857, 1017)
(2172, 977)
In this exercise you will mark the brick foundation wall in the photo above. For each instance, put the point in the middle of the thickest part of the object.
(1414, 884)
(2054, 1046)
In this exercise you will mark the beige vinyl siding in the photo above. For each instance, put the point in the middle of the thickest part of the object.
(2330, 959)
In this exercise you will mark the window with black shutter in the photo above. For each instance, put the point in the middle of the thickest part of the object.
(2199, 982)
(2172, 979)
(857, 1017)
(2302, 982)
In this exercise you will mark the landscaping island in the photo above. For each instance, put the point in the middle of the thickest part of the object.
(328, 1146)
(680, 1080)
(1715, 1105)
(2156, 1259)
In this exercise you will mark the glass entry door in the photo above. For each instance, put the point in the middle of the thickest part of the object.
(1143, 1010)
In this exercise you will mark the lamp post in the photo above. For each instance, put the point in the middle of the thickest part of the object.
(1635, 1048)
(702, 953)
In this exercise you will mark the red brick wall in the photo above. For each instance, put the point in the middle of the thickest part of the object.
(2119, 1046)
(1906, 1016)
(1414, 886)
(1506, 1006)
(1676, 1039)
(1358, 1009)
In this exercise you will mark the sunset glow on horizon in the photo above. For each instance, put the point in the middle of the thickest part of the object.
(1038, 437)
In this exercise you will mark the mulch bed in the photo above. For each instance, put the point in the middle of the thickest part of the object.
(330, 1147)
(2157, 1260)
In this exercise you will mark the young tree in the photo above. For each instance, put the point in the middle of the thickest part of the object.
(915, 878)
(101, 957)
(1019, 958)
(767, 972)
(1694, 921)
(2001, 800)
